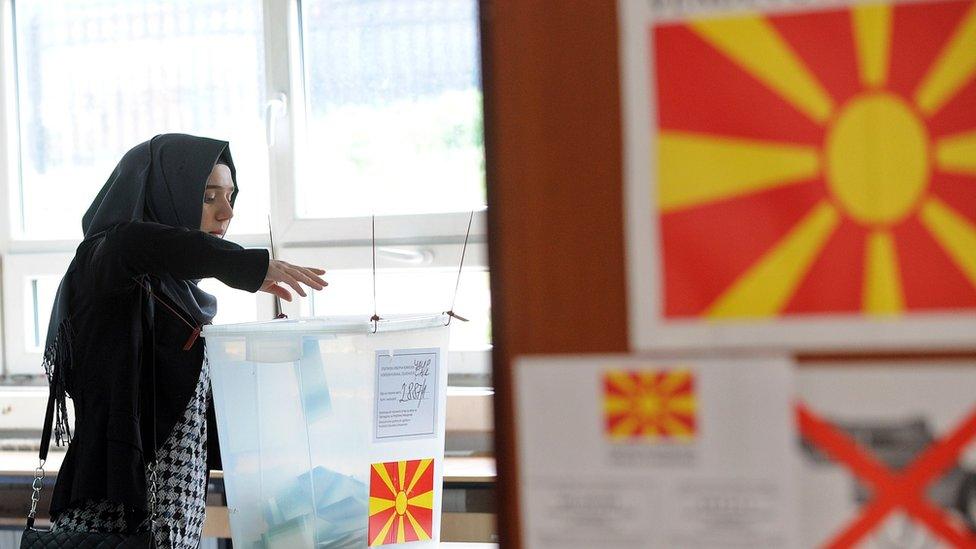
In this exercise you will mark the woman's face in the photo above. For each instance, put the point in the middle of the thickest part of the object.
(217, 211)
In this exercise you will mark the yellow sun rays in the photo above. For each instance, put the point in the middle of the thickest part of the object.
(625, 427)
(696, 168)
(622, 381)
(882, 279)
(957, 153)
(616, 405)
(384, 476)
(377, 505)
(673, 381)
(767, 286)
(421, 533)
(699, 168)
(383, 531)
(425, 500)
(953, 68)
(872, 36)
(675, 428)
(685, 404)
(955, 233)
(421, 469)
(753, 43)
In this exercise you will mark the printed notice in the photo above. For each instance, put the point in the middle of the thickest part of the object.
(624, 452)
(406, 393)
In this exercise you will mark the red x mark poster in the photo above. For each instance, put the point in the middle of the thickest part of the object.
(803, 175)
(888, 455)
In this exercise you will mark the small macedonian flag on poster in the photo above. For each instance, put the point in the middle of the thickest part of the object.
(401, 501)
(650, 405)
(817, 161)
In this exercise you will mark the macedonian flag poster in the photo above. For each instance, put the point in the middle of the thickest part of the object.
(801, 174)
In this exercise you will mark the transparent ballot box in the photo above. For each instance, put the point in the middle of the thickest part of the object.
(331, 430)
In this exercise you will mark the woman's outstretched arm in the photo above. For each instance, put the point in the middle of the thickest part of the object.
(136, 247)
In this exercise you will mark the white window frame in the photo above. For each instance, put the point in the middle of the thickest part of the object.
(286, 114)
(18, 270)
(342, 240)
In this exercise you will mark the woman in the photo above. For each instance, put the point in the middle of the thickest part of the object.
(128, 301)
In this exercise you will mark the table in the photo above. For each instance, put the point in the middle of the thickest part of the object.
(459, 472)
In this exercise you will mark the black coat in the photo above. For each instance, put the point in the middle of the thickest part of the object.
(110, 382)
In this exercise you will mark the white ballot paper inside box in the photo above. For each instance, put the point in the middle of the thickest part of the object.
(619, 452)
(331, 430)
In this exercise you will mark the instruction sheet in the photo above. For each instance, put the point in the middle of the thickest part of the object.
(619, 452)
(406, 393)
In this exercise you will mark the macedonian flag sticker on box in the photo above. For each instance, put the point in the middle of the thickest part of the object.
(401, 501)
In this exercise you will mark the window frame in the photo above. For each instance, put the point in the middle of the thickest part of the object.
(285, 117)
(21, 359)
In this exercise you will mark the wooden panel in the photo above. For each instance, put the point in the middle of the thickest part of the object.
(556, 251)
(554, 194)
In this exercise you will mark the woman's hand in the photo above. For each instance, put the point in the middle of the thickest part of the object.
(282, 272)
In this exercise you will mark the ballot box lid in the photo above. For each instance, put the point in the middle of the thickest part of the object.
(358, 324)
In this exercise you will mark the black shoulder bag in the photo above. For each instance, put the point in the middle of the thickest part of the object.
(61, 539)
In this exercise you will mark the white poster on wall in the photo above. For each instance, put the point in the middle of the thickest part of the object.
(618, 452)
(799, 175)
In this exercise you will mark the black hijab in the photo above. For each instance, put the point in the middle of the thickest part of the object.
(163, 181)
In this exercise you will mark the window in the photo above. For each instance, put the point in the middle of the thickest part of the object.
(336, 111)
(30, 282)
(96, 77)
(393, 108)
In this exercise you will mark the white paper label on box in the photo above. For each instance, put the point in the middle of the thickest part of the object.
(406, 394)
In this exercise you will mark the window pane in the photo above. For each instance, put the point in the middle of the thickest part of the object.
(97, 77)
(413, 291)
(40, 292)
(233, 306)
(395, 116)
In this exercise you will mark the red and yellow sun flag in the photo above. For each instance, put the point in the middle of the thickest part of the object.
(818, 162)
(650, 405)
(401, 501)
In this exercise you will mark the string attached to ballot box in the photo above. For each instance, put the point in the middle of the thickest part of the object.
(457, 284)
(464, 248)
(376, 317)
(277, 300)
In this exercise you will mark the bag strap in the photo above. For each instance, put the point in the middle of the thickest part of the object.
(42, 458)
(153, 489)
(49, 424)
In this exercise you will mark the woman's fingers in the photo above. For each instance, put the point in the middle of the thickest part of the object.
(310, 279)
(290, 280)
(300, 277)
(314, 276)
(282, 272)
(277, 290)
